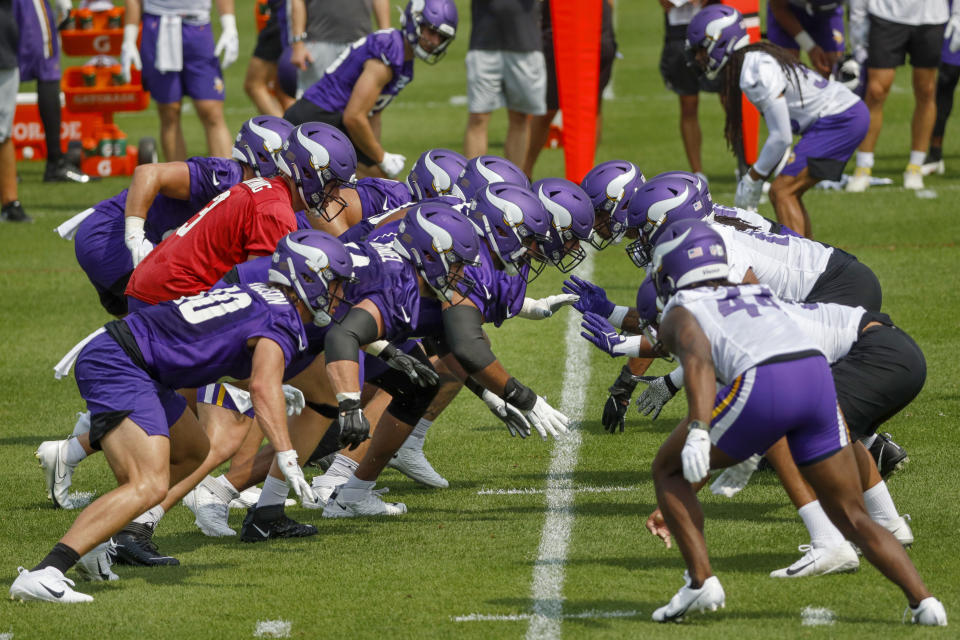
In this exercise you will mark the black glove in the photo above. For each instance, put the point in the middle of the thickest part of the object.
(422, 374)
(354, 428)
(616, 406)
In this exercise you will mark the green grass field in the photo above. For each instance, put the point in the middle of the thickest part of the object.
(459, 552)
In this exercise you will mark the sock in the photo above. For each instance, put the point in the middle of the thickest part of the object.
(879, 503)
(865, 159)
(150, 517)
(935, 154)
(869, 440)
(420, 431)
(75, 452)
(916, 157)
(48, 103)
(342, 466)
(83, 423)
(274, 492)
(61, 557)
(822, 531)
(234, 492)
(355, 488)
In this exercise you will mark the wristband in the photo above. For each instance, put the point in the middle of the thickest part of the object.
(519, 395)
(617, 315)
(348, 395)
(474, 386)
(300, 37)
(805, 41)
(675, 380)
(697, 424)
(133, 225)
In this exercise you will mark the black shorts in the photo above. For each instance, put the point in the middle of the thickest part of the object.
(305, 111)
(269, 41)
(882, 374)
(677, 75)
(847, 281)
(114, 299)
(890, 42)
(608, 53)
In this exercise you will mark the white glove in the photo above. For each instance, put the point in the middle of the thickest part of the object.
(952, 33)
(547, 420)
(517, 425)
(392, 164)
(540, 308)
(294, 399)
(287, 461)
(229, 42)
(748, 192)
(733, 479)
(129, 53)
(696, 455)
(135, 239)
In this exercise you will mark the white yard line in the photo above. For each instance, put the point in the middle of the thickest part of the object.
(584, 615)
(520, 491)
(548, 573)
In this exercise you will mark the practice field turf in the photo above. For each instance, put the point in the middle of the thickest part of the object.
(476, 560)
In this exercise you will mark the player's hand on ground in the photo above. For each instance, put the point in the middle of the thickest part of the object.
(657, 526)
(615, 409)
(517, 425)
(547, 420)
(290, 467)
(354, 427)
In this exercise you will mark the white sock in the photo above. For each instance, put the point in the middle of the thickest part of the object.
(420, 431)
(917, 157)
(274, 492)
(865, 159)
(75, 452)
(879, 503)
(868, 441)
(355, 488)
(83, 423)
(822, 531)
(150, 517)
(342, 466)
(234, 492)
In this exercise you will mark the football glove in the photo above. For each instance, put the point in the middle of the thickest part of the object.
(547, 420)
(659, 391)
(695, 455)
(294, 399)
(392, 164)
(748, 192)
(615, 409)
(135, 239)
(952, 33)
(287, 461)
(735, 478)
(354, 427)
(538, 309)
(602, 334)
(591, 297)
(129, 53)
(517, 425)
(420, 373)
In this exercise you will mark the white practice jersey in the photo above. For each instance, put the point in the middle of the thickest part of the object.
(809, 97)
(914, 12)
(744, 324)
(789, 265)
(752, 218)
(197, 10)
(833, 327)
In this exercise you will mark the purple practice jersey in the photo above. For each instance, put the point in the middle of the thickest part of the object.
(498, 296)
(193, 341)
(379, 197)
(332, 92)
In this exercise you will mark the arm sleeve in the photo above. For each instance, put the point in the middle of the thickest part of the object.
(761, 79)
(463, 330)
(779, 138)
(343, 340)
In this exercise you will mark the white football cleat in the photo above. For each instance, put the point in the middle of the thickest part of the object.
(709, 597)
(900, 529)
(324, 486)
(859, 181)
(913, 177)
(819, 561)
(247, 498)
(410, 461)
(46, 584)
(94, 566)
(361, 502)
(929, 612)
(930, 168)
(210, 502)
(52, 455)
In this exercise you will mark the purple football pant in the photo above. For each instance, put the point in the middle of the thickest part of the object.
(111, 383)
(825, 28)
(100, 249)
(833, 137)
(795, 398)
(200, 77)
(38, 52)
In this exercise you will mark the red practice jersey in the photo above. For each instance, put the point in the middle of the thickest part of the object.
(246, 221)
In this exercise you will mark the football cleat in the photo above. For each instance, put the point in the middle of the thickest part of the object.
(13, 212)
(63, 171)
(819, 561)
(52, 455)
(860, 180)
(410, 461)
(265, 523)
(709, 597)
(913, 177)
(324, 486)
(929, 612)
(135, 546)
(249, 498)
(211, 511)
(935, 167)
(900, 528)
(94, 566)
(353, 503)
(46, 584)
(888, 454)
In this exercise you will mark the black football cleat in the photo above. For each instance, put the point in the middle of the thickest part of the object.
(888, 454)
(265, 523)
(63, 171)
(135, 546)
(13, 212)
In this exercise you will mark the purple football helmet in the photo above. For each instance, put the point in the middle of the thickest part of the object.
(317, 156)
(434, 173)
(609, 186)
(310, 262)
(656, 204)
(687, 253)
(512, 219)
(572, 218)
(719, 31)
(699, 183)
(484, 170)
(439, 15)
(259, 141)
(436, 237)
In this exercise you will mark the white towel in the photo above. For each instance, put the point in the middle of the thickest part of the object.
(170, 44)
(240, 397)
(69, 228)
(66, 362)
